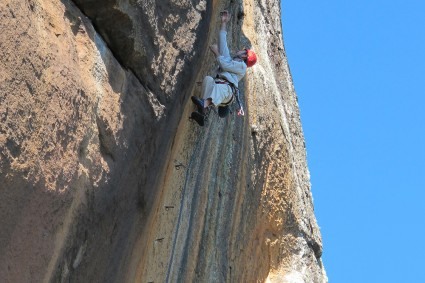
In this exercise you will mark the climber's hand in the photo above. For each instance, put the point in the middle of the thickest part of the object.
(240, 112)
(225, 16)
(214, 49)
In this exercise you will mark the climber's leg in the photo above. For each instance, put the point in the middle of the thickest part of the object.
(198, 117)
(208, 85)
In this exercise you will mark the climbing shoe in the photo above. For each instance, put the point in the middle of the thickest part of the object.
(199, 104)
(223, 111)
(199, 118)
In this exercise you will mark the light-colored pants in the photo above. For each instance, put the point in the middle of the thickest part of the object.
(219, 93)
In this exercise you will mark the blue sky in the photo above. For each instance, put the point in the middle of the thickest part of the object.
(359, 73)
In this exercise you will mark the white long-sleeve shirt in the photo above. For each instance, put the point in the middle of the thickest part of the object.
(230, 69)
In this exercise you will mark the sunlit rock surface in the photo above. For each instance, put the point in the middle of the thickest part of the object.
(104, 179)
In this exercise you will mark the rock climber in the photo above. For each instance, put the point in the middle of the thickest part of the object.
(221, 90)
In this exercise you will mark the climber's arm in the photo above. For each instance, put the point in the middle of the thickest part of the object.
(221, 51)
(222, 36)
(227, 64)
(232, 66)
(225, 18)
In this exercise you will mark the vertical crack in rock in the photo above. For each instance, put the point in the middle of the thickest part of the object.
(106, 139)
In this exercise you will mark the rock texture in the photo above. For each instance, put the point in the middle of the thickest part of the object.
(102, 176)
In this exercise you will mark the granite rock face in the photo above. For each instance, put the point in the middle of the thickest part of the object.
(102, 176)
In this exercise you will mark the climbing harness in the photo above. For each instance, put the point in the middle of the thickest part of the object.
(201, 116)
(235, 92)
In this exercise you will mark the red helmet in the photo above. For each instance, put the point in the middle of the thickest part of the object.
(251, 58)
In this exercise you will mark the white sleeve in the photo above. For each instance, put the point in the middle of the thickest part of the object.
(229, 65)
(222, 44)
